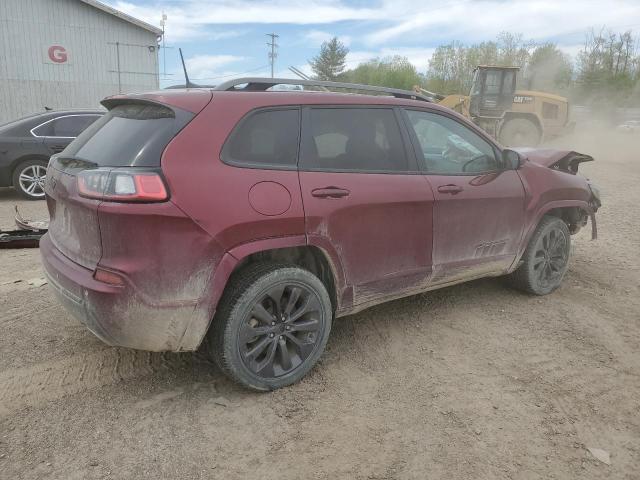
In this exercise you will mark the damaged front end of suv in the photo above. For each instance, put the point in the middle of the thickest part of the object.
(568, 162)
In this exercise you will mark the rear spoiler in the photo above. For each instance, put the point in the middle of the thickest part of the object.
(192, 100)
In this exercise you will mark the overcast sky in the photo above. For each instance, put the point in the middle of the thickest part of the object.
(225, 37)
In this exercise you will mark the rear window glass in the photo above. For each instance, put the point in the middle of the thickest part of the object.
(266, 138)
(353, 139)
(133, 135)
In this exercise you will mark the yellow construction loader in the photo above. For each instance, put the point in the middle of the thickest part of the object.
(513, 117)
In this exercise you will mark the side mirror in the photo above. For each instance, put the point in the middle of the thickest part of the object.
(511, 159)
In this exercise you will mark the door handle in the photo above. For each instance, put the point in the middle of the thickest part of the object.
(451, 188)
(330, 192)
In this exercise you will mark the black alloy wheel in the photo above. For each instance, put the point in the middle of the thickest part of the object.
(546, 259)
(271, 326)
(281, 330)
(551, 257)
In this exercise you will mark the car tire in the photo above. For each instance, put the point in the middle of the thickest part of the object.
(29, 177)
(271, 326)
(519, 132)
(546, 259)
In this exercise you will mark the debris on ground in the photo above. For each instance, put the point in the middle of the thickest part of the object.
(37, 282)
(33, 225)
(20, 238)
(600, 454)
(28, 233)
(223, 402)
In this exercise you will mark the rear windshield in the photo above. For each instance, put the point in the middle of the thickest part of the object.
(129, 135)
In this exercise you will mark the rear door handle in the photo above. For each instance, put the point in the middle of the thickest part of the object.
(330, 192)
(451, 188)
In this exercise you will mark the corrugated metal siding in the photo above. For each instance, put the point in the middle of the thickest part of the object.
(29, 82)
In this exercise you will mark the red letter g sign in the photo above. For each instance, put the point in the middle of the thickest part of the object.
(57, 54)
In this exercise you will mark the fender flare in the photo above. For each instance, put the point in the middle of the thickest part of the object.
(344, 292)
(541, 212)
(235, 256)
(194, 334)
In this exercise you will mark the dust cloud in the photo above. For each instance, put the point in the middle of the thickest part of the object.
(599, 134)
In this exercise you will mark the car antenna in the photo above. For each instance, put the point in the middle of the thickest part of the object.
(187, 82)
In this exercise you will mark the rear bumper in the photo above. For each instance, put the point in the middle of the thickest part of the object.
(118, 315)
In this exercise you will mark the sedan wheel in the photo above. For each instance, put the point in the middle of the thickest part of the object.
(29, 179)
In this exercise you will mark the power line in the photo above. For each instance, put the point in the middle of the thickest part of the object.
(273, 54)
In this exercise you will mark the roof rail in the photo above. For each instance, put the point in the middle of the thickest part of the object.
(257, 84)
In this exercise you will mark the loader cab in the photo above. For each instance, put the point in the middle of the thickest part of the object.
(492, 91)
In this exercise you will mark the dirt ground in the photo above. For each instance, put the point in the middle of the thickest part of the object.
(475, 381)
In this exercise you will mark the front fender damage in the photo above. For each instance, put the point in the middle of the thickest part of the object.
(568, 161)
(562, 160)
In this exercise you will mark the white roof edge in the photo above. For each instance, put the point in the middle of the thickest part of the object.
(123, 16)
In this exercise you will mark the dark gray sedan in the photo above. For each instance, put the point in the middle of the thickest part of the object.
(26, 145)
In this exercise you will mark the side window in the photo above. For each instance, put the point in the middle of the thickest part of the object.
(72, 126)
(507, 81)
(44, 130)
(450, 148)
(476, 83)
(68, 126)
(265, 138)
(353, 139)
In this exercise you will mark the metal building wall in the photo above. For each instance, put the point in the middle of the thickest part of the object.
(32, 76)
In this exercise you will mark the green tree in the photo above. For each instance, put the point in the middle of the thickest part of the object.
(448, 69)
(330, 62)
(392, 72)
(609, 70)
(451, 66)
(513, 50)
(549, 69)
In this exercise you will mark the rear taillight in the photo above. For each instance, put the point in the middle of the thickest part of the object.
(117, 185)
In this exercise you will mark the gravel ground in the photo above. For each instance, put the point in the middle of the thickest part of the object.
(475, 381)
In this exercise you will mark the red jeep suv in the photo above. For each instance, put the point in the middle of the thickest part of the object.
(253, 217)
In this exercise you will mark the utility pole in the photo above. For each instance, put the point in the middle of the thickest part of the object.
(163, 21)
(272, 54)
